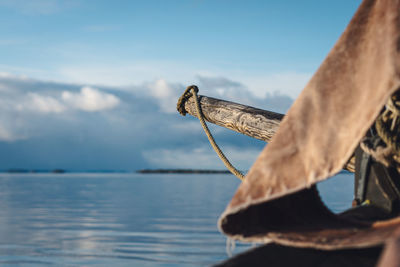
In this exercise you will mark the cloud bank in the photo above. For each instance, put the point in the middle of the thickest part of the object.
(84, 127)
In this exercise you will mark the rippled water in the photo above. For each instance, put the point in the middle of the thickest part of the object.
(120, 219)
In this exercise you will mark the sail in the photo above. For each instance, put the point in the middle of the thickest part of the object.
(277, 201)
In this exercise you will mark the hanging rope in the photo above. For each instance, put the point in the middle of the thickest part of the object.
(192, 91)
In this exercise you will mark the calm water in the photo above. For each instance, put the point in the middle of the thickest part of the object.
(122, 219)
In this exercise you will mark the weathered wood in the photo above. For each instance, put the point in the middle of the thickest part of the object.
(254, 122)
(250, 121)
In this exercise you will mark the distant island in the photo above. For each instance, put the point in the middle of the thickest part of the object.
(184, 171)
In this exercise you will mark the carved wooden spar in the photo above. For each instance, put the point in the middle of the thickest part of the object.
(254, 122)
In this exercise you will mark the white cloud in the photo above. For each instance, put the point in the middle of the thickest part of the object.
(161, 89)
(167, 94)
(63, 113)
(40, 103)
(90, 99)
(31, 108)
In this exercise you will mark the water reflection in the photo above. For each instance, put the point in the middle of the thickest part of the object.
(113, 219)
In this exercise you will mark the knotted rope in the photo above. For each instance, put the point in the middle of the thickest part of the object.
(387, 126)
(192, 91)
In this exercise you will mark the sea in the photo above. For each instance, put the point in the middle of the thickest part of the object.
(124, 219)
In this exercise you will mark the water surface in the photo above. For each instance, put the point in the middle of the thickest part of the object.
(122, 219)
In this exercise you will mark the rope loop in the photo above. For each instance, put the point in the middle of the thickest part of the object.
(180, 106)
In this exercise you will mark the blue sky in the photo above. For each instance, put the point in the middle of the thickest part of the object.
(93, 84)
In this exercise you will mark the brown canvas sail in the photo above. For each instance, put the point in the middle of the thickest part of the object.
(277, 200)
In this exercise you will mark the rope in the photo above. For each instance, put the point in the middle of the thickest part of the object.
(387, 127)
(192, 91)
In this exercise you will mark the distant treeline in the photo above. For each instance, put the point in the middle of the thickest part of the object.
(185, 171)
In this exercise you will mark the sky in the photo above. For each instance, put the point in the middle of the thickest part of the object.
(93, 85)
